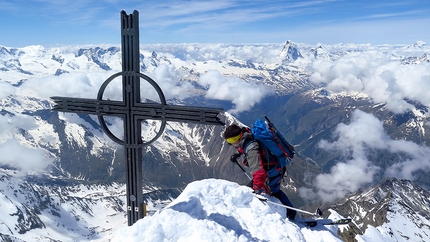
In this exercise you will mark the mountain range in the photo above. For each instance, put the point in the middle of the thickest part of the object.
(356, 114)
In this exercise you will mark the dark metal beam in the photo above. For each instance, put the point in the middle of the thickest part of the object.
(152, 111)
(133, 112)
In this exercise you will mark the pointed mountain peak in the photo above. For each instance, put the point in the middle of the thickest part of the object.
(419, 44)
(4, 51)
(290, 52)
(320, 53)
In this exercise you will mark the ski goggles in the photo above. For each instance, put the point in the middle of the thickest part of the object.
(234, 139)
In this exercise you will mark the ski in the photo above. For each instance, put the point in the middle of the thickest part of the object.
(310, 223)
(317, 213)
(340, 221)
(324, 221)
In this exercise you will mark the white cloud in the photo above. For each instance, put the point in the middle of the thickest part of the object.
(87, 85)
(11, 124)
(244, 95)
(168, 78)
(192, 52)
(378, 76)
(364, 133)
(356, 172)
(18, 155)
(23, 158)
(82, 85)
(6, 89)
(418, 159)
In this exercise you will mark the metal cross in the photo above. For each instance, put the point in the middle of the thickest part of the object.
(133, 112)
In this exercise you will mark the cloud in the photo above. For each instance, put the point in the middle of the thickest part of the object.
(418, 159)
(20, 155)
(349, 176)
(364, 133)
(23, 158)
(6, 89)
(375, 73)
(168, 78)
(260, 53)
(87, 85)
(12, 124)
(244, 95)
(77, 84)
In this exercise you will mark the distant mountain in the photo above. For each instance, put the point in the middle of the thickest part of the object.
(396, 210)
(45, 208)
(290, 52)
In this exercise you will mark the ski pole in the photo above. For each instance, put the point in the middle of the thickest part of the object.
(243, 170)
(317, 213)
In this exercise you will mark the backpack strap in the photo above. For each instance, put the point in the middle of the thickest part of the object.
(264, 153)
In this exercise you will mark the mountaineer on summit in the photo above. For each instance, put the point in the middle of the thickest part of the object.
(266, 169)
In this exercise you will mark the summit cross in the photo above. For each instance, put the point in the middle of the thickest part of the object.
(133, 112)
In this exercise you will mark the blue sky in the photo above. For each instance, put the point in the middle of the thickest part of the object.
(66, 22)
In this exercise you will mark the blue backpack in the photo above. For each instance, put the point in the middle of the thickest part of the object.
(272, 140)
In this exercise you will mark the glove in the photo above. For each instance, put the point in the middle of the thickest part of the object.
(234, 157)
(257, 192)
(267, 189)
(262, 186)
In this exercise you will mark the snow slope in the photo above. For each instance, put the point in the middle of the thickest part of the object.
(219, 210)
(32, 211)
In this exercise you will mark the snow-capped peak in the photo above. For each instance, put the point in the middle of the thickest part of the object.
(290, 52)
(419, 44)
